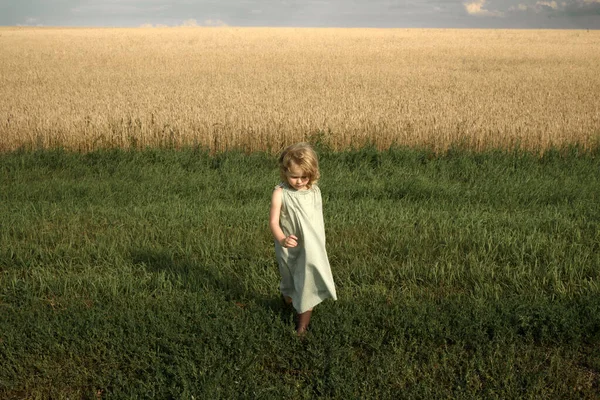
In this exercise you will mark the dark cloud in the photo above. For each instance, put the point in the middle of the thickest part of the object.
(571, 14)
(582, 8)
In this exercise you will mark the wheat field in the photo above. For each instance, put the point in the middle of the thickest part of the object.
(257, 89)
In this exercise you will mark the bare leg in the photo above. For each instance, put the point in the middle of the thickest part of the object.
(303, 321)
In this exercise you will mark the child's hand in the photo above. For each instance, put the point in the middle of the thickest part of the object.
(290, 241)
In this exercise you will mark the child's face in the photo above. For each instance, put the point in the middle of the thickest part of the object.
(296, 177)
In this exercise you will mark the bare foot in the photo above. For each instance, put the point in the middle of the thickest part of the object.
(302, 322)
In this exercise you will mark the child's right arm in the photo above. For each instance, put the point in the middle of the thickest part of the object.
(276, 201)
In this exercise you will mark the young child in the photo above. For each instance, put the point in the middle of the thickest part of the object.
(296, 221)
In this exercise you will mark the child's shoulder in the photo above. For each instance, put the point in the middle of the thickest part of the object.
(278, 190)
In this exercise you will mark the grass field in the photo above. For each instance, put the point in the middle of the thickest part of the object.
(461, 187)
(259, 89)
(151, 274)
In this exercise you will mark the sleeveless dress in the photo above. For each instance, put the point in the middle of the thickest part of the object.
(305, 271)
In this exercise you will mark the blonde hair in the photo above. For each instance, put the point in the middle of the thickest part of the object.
(303, 156)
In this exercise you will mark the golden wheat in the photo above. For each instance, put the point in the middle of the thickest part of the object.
(262, 88)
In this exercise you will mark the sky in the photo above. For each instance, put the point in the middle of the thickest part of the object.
(522, 14)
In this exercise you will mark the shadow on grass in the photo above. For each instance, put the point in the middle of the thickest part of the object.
(195, 277)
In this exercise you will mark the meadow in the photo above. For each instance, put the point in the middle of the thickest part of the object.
(258, 89)
(460, 180)
(151, 274)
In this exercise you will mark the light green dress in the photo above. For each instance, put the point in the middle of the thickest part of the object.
(305, 271)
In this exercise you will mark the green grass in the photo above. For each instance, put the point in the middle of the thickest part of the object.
(151, 274)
